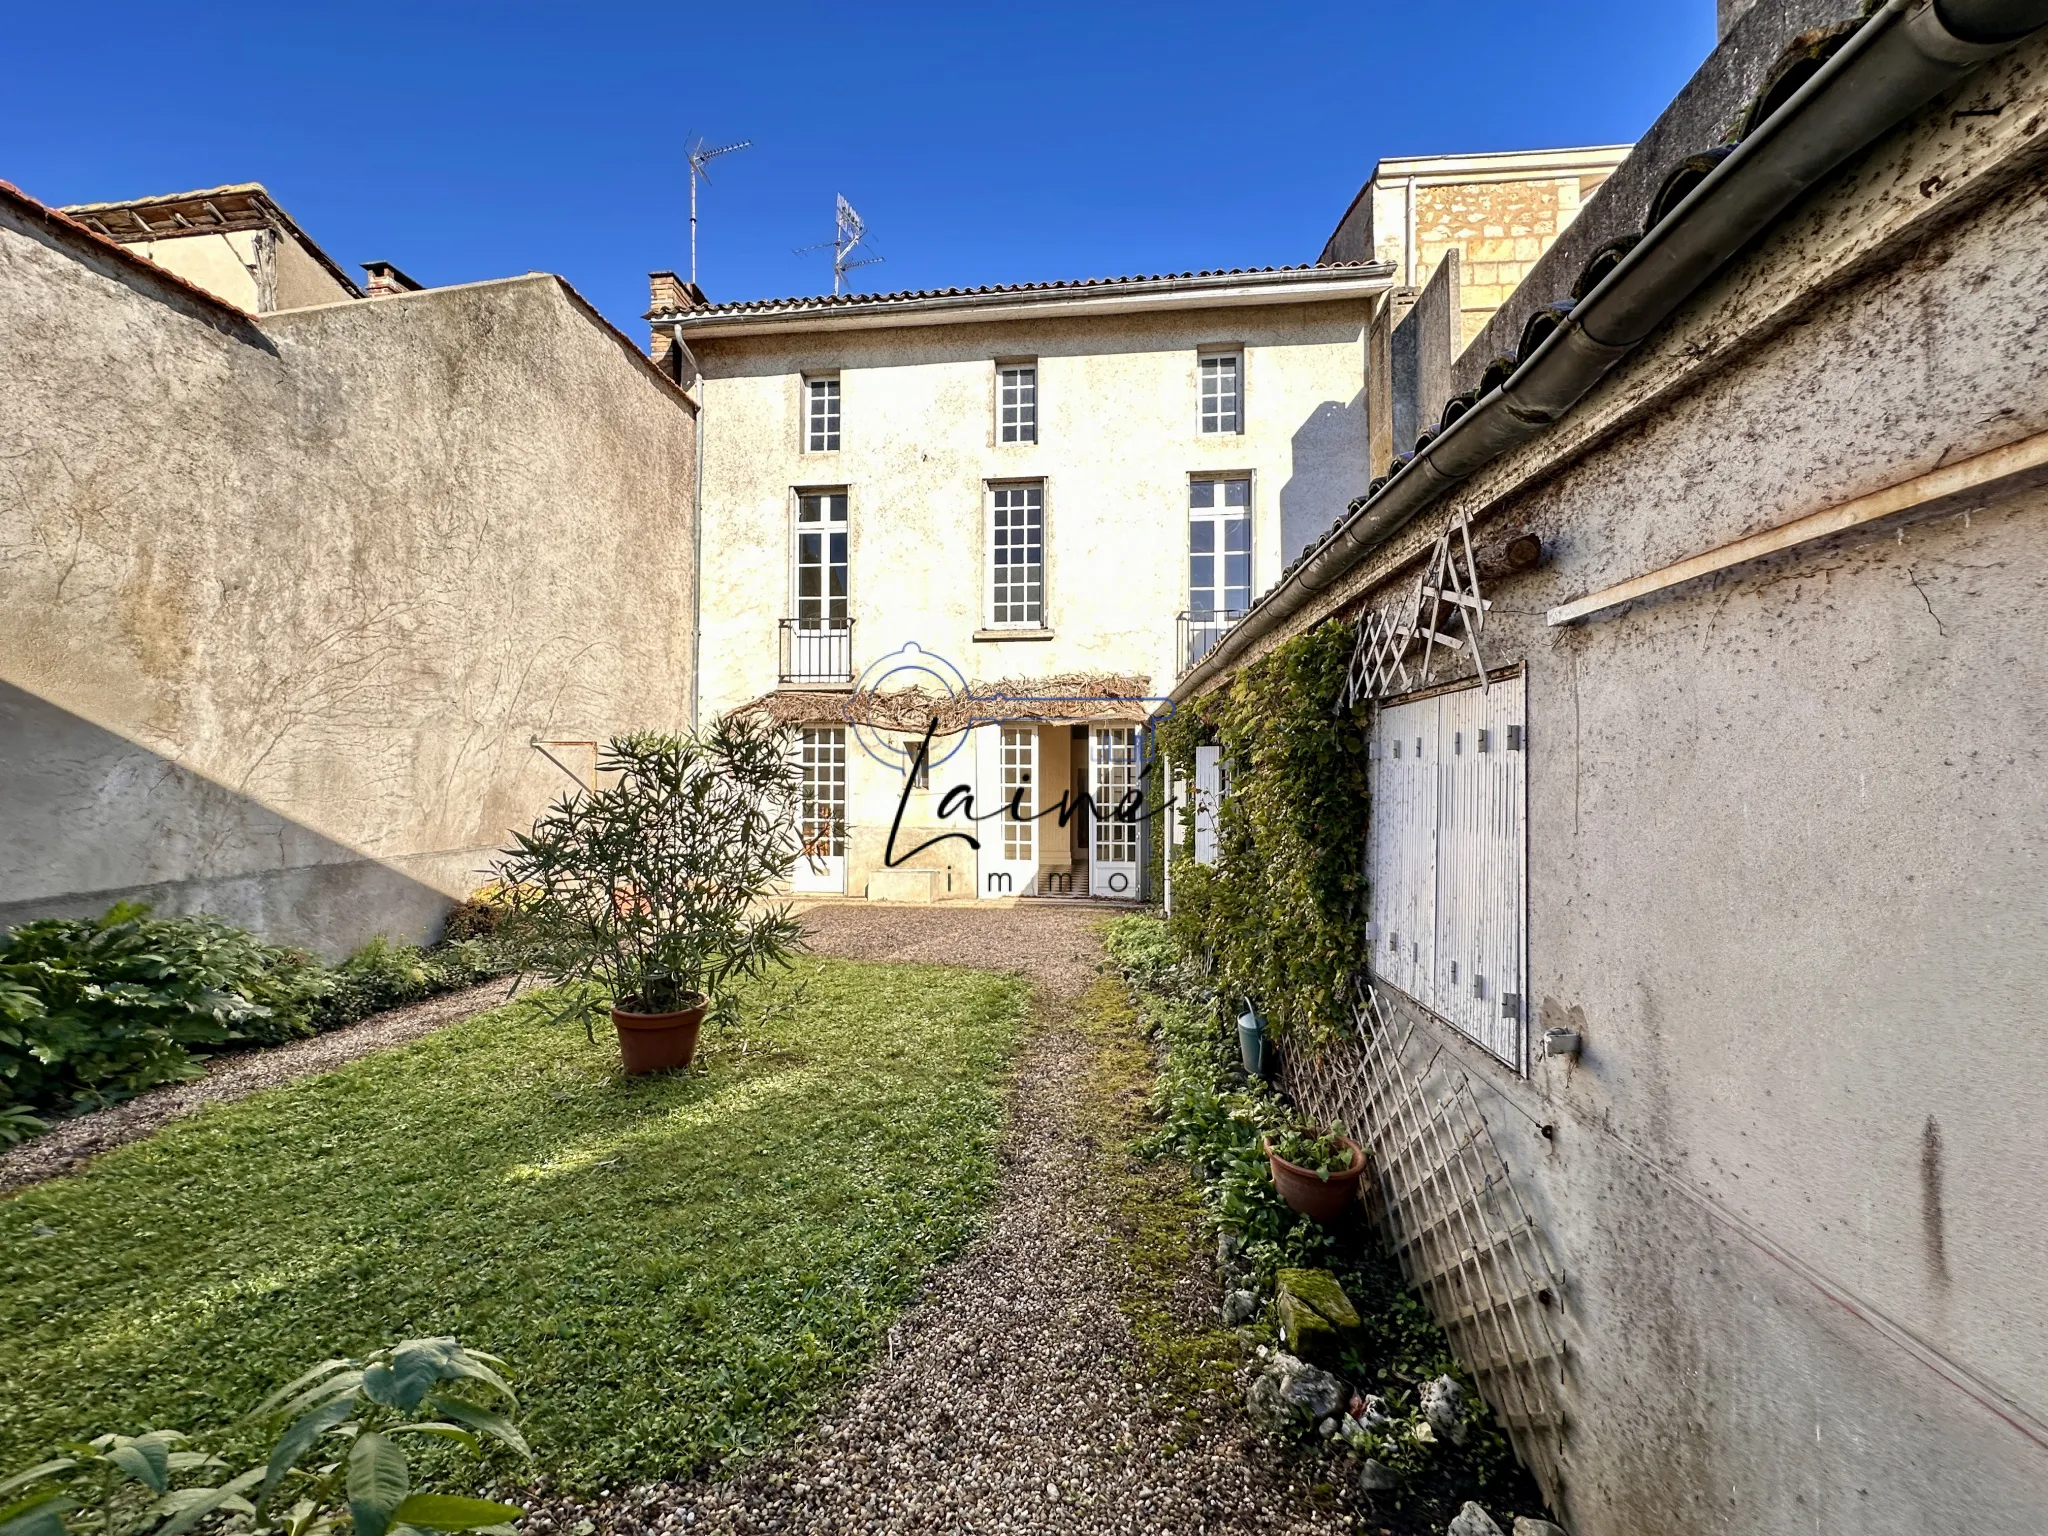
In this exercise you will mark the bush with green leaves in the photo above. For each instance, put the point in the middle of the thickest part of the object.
(1281, 913)
(338, 1462)
(657, 886)
(98, 1009)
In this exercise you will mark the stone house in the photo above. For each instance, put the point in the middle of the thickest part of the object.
(1697, 1037)
(1052, 492)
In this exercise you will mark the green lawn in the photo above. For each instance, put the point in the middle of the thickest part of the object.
(676, 1268)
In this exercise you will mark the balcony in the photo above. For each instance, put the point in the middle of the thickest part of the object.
(817, 652)
(1199, 632)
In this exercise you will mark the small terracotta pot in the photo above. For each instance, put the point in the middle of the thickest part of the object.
(656, 1042)
(1317, 1198)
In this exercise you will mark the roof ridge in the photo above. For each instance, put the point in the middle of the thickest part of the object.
(905, 295)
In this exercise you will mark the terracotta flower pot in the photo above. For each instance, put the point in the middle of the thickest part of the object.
(655, 1042)
(1318, 1198)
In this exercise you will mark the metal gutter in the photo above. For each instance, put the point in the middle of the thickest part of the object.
(1899, 60)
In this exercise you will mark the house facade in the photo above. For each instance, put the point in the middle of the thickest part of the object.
(1039, 502)
(1697, 1037)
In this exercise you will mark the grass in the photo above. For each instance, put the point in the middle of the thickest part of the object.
(680, 1269)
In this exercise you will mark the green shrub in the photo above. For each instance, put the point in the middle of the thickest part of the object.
(98, 1009)
(348, 1416)
(1281, 914)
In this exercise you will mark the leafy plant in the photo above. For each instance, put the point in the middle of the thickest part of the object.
(1312, 1150)
(1281, 914)
(656, 887)
(356, 1411)
(383, 975)
(98, 1009)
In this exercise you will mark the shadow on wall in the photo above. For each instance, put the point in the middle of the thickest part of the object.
(88, 818)
(1328, 455)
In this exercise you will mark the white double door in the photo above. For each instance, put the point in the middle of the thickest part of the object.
(1020, 809)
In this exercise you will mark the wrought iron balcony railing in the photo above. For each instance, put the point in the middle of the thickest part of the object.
(1200, 630)
(817, 650)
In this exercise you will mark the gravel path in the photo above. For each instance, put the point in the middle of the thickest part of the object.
(70, 1143)
(1013, 1398)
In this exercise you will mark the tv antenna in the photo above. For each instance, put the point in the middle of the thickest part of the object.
(847, 237)
(700, 157)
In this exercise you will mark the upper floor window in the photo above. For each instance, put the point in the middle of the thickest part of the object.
(821, 419)
(1016, 546)
(1222, 393)
(821, 567)
(1219, 549)
(1017, 403)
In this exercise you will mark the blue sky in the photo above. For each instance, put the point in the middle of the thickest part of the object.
(983, 144)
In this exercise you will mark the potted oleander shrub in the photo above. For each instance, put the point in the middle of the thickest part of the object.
(1315, 1171)
(656, 886)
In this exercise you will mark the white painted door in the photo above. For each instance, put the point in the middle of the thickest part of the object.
(1401, 847)
(1112, 776)
(1208, 788)
(821, 860)
(1480, 865)
(1446, 860)
(1006, 776)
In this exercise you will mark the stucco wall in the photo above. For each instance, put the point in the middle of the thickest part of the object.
(1786, 830)
(284, 604)
(1118, 440)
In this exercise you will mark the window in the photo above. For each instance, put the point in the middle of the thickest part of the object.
(920, 771)
(1116, 778)
(1020, 749)
(1017, 556)
(822, 823)
(1219, 549)
(821, 587)
(1222, 398)
(821, 431)
(1446, 860)
(1017, 403)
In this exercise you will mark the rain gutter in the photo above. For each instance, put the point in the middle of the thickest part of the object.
(1905, 55)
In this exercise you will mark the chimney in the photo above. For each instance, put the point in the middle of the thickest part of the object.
(385, 279)
(668, 294)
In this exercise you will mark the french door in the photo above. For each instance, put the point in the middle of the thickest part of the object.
(1112, 777)
(821, 861)
(1007, 782)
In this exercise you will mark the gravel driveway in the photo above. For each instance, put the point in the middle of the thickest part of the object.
(1013, 1398)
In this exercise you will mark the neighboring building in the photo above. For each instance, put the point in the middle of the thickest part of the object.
(1062, 490)
(235, 242)
(1705, 1034)
(304, 611)
(1498, 212)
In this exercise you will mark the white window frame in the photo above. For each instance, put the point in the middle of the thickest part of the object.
(1212, 415)
(1216, 517)
(821, 823)
(1000, 536)
(822, 399)
(1017, 401)
(834, 498)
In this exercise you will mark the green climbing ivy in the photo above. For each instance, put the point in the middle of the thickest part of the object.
(1282, 911)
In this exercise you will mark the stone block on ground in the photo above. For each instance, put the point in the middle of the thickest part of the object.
(1524, 1526)
(1316, 1317)
(1473, 1521)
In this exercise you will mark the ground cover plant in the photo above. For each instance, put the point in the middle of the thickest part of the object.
(96, 1010)
(684, 1266)
(1209, 1113)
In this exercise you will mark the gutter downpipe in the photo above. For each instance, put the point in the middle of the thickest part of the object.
(697, 543)
(1904, 56)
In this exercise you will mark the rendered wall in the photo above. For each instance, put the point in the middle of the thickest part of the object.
(286, 602)
(1787, 829)
(1118, 440)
